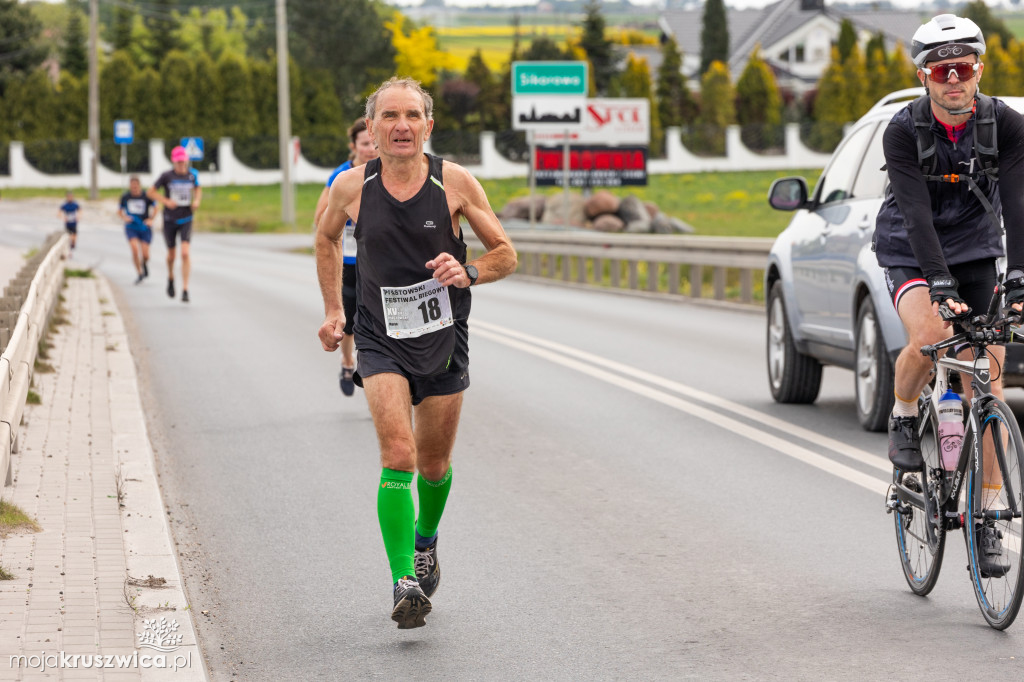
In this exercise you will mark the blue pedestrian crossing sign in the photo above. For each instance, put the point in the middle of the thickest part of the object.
(194, 147)
(124, 132)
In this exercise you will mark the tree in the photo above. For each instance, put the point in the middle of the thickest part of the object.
(718, 108)
(543, 48)
(177, 99)
(1002, 74)
(357, 62)
(875, 50)
(29, 107)
(636, 82)
(675, 104)
(900, 71)
(163, 26)
(209, 94)
(264, 97)
(878, 74)
(117, 100)
(758, 104)
(990, 25)
(714, 35)
(830, 113)
(491, 114)
(847, 39)
(855, 96)
(19, 31)
(600, 51)
(74, 54)
(147, 115)
(212, 32)
(241, 118)
(416, 52)
(73, 103)
(142, 45)
(120, 36)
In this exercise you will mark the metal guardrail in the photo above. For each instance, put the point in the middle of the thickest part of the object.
(725, 269)
(32, 295)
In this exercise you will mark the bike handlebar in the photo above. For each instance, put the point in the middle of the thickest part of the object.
(983, 330)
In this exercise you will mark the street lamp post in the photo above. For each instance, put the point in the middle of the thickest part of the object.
(284, 120)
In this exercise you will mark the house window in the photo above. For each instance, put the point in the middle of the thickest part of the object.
(798, 55)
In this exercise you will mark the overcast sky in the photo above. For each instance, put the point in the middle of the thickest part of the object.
(738, 4)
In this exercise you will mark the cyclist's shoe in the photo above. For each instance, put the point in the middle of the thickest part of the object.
(991, 559)
(170, 288)
(411, 605)
(905, 444)
(348, 386)
(428, 571)
(184, 295)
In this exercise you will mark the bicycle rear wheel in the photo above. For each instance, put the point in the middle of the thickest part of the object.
(999, 594)
(919, 538)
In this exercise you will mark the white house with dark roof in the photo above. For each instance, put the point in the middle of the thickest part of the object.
(796, 36)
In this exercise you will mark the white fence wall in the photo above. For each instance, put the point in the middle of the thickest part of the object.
(493, 165)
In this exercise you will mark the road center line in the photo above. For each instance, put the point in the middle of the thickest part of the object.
(590, 365)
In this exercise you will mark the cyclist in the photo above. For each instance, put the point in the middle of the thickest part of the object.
(361, 150)
(69, 212)
(937, 234)
(180, 200)
(414, 351)
(137, 213)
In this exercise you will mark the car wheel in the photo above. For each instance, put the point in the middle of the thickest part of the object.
(792, 376)
(873, 371)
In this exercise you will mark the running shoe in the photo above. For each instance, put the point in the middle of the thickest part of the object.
(905, 444)
(992, 562)
(411, 605)
(145, 268)
(348, 385)
(428, 571)
(184, 295)
(170, 288)
(139, 279)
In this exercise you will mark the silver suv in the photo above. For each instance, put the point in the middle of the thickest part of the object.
(826, 295)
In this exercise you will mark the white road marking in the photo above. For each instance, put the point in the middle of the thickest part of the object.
(591, 365)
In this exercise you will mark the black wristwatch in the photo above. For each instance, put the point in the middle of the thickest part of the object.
(472, 273)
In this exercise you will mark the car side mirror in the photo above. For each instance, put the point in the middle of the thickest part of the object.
(788, 194)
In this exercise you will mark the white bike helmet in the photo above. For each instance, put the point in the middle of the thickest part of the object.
(944, 37)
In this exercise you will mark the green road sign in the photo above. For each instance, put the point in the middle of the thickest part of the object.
(549, 78)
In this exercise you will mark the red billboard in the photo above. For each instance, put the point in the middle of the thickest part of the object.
(592, 166)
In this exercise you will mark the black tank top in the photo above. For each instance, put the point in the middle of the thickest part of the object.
(395, 239)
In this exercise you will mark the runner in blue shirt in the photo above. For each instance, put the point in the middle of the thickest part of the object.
(362, 150)
(180, 198)
(69, 212)
(137, 214)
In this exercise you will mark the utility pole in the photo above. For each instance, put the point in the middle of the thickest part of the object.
(284, 117)
(94, 99)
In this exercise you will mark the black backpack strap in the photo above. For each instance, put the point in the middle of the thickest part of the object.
(986, 146)
(921, 112)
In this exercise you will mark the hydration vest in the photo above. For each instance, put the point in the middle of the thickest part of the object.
(985, 161)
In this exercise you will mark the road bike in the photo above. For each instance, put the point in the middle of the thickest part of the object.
(927, 504)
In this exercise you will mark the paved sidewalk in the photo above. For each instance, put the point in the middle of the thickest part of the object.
(101, 578)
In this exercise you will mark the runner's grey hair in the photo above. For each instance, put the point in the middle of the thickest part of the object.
(396, 82)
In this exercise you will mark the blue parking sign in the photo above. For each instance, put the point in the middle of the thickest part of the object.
(124, 132)
(193, 147)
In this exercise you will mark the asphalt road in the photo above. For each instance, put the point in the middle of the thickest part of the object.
(628, 502)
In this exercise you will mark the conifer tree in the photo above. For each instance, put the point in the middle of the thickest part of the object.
(264, 97)
(900, 71)
(718, 107)
(121, 30)
(990, 25)
(758, 104)
(241, 118)
(855, 80)
(75, 54)
(878, 75)
(489, 102)
(209, 93)
(177, 98)
(117, 101)
(714, 35)
(636, 82)
(142, 45)
(19, 39)
(73, 102)
(875, 50)
(675, 104)
(830, 109)
(847, 39)
(147, 114)
(600, 50)
(163, 26)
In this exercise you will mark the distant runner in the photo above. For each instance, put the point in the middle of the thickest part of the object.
(362, 150)
(137, 214)
(69, 211)
(180, 200)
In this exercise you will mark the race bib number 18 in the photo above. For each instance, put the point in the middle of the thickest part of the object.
(417, 309)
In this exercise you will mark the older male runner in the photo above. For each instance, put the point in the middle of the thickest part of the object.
(411, 321)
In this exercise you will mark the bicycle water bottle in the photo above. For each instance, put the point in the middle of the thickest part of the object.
(951, 429)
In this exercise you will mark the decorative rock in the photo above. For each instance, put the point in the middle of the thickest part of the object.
(652, 209)
(642, 226)
(519, 208)
(682, 227)
(632, 209)
(662, 224)
(608, 222)
(554, 210)
(601, 201)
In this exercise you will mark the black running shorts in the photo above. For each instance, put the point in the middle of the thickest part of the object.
(977, 282)
(348, 294)
(454, 379)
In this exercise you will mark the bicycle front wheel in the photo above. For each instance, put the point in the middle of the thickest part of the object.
(995, 538)
(920, 538)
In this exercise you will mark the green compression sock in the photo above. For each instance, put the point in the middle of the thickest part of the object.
(396, 515)
(433, 495)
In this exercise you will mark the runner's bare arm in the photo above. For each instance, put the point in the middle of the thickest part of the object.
(321, 206)
(159, 198)
(342, 198)
(466, 198)
(197, 199)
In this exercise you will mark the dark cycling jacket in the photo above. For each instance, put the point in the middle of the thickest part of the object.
(931, 225)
